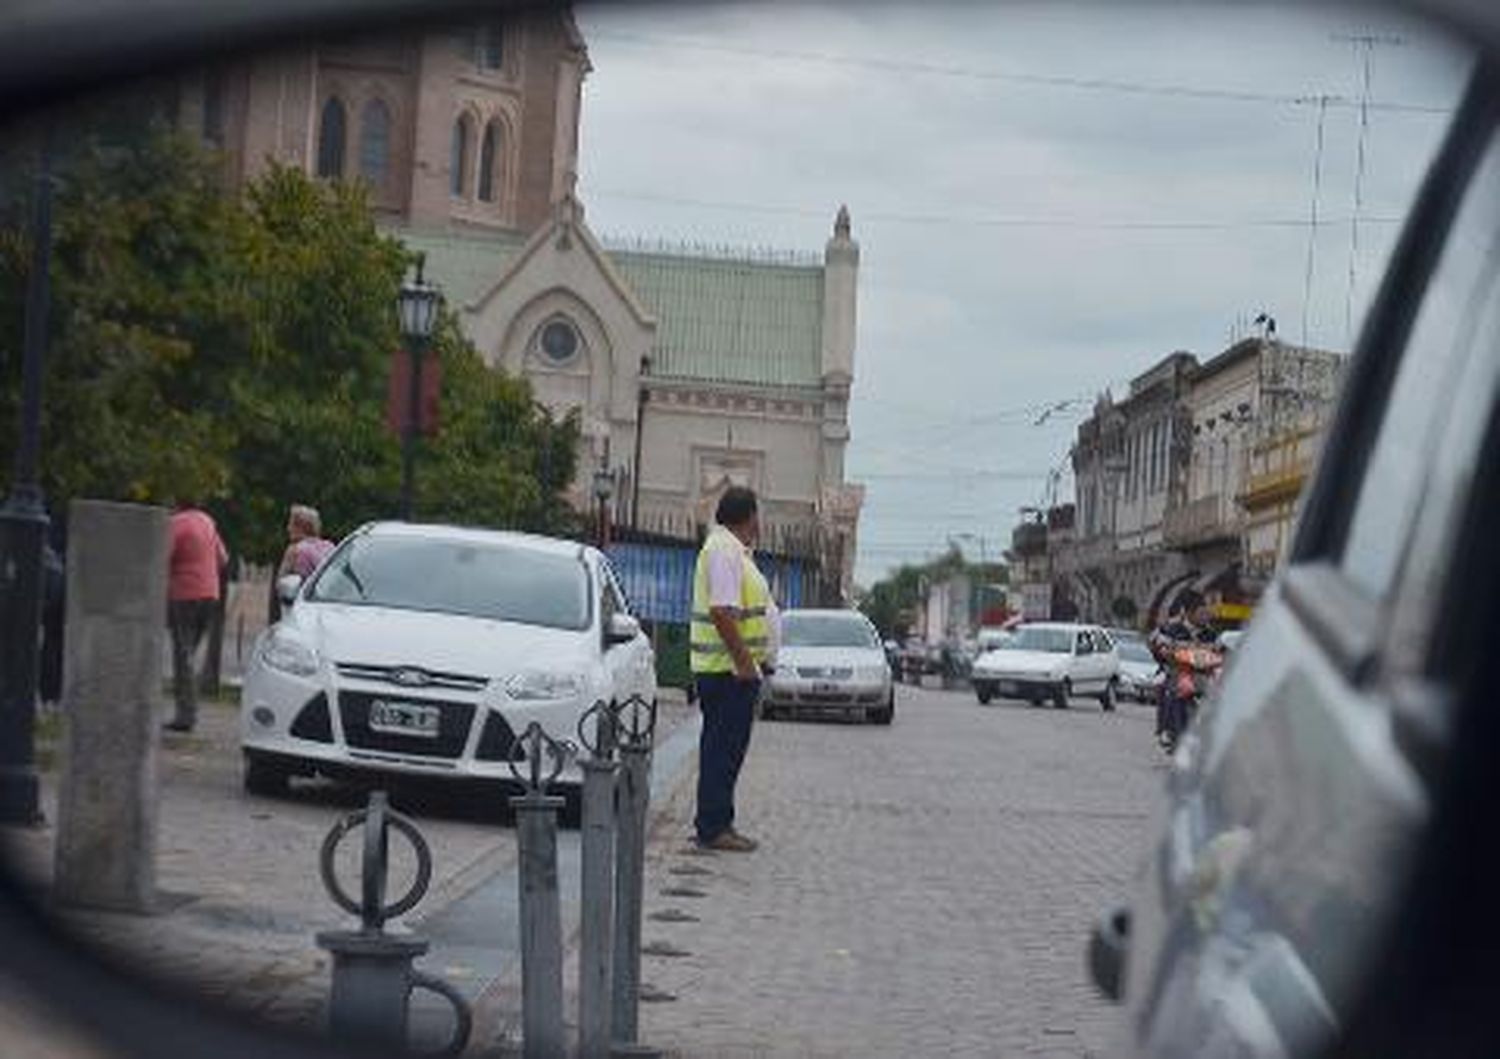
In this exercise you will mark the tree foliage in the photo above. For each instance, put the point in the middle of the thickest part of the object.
(236, 349)
(891, 604)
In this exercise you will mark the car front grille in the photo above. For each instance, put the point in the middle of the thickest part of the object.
(455, 719)
(411, 677)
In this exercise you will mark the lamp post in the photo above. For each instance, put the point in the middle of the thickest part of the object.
(604, 491)
(417, 305)
(23, 529)
(640, 429)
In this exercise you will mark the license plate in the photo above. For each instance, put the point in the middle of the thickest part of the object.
(404, 718)
(824, 687)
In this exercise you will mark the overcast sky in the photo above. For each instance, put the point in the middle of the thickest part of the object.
(1048, 199)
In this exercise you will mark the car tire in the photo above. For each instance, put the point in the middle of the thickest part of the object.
(264, 778)
(1062, 694)
(984, 694)
(885, 715)
(1107, 700)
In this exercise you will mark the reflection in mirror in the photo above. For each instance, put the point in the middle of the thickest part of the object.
(900, 273)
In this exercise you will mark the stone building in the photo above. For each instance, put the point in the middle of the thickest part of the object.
(1192, 479)
(690, 370)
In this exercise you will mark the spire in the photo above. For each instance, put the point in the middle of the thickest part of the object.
(841, 224)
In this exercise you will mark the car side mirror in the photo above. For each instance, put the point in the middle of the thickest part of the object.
(622, 628)
(287, 588)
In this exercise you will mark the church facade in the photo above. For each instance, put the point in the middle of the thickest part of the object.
(690, 371)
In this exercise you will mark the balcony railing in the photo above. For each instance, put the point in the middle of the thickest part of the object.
(1203, 521)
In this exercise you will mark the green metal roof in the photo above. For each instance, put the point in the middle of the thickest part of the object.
(464, 265)
(728, 320)
(720, 318)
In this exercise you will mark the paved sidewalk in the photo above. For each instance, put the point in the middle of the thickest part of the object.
(921, 890)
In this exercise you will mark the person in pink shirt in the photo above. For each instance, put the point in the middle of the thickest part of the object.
(196, 560)
(307, 549)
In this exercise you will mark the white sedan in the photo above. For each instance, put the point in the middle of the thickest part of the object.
(425, 650)
(1048, 660)
(830, 661)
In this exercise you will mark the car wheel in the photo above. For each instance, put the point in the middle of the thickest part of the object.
(265, 778)
(1062, 694)
(984, 693)
(886, 715)
(1107, 700)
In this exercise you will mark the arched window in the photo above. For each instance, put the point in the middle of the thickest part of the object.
(488, 161)
(374, 142)
(459, 160)
(331, 134)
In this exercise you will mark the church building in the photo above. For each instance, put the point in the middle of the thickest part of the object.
(691, 370)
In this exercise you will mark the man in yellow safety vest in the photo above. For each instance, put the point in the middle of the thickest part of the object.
(732, 640)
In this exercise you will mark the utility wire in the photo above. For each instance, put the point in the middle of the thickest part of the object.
(1312, 221)
(1053, 80)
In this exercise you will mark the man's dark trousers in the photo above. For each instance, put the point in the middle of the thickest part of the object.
(728, 706)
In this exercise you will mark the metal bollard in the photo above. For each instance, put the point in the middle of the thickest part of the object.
(635, 726)
(595, 940)
(373, 977)
(541, 912)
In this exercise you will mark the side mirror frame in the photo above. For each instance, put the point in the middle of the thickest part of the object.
(287, 588)
(622, 628)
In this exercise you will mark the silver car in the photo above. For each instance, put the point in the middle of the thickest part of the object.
(830, 661)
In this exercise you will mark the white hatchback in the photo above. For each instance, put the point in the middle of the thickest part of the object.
(425, 650)
(1050, 660)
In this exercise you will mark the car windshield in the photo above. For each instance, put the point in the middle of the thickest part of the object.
(1053, 641)
(1133, 651)
(825, 630)
(458, 577)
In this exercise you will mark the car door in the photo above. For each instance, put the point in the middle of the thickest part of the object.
(1082, 664)
(1105, 659)
(631, 665)
(1295, 804)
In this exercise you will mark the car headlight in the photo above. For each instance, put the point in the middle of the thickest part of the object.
(284, 652)
(545, 685)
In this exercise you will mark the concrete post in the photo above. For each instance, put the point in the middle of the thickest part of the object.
(634, 793)
(541, 926)
(116, 619)
(597, 914)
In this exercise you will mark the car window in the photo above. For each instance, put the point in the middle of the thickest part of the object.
(1052, 641)
(458, 577)
(1442, 336)
(826, 630)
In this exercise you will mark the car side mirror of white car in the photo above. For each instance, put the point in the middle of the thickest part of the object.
(287, 588)
(622, 629)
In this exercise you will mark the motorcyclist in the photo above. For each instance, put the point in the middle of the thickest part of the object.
(1186, 646)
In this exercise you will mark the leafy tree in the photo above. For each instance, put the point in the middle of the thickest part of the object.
(237, 350)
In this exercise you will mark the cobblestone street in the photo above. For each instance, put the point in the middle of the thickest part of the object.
(924, 889)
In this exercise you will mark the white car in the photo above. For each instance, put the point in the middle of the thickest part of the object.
(1051, 660)
(1141, 676)
(425, 650)
(830, 660)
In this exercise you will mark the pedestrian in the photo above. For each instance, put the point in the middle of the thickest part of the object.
(731, 642)
(1188, 624)
(198, 558)
(307, 548)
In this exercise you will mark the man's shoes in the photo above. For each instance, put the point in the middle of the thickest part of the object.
(731, 841)
(177, 726)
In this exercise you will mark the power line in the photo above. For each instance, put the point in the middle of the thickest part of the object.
(1312, 222)
(973, 221)
(972, 73)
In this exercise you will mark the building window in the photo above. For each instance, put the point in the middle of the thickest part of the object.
(375, 142)
(487, 161)
(462, 134)
(213, 109)
(559, 341)
(331, 136)
(482, 45)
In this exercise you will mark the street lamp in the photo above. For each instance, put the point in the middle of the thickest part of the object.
(604, 490)
(23, 530)
(417, 305)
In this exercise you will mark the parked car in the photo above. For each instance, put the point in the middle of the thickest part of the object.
(1050, 660)
(424, 650)
(1319, 880)
(1141, 676)
(830, 660)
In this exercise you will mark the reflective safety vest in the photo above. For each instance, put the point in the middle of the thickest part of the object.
(709, 653)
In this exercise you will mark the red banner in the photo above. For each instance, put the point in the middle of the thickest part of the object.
(398, 398)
